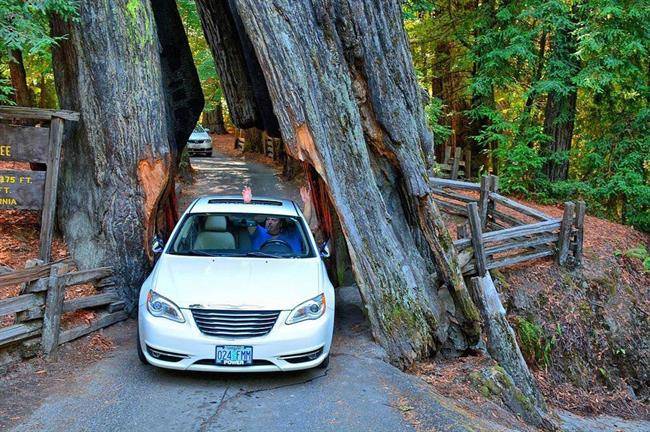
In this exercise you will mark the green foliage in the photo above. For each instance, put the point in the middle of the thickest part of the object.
(434, 112)
(5, 92)
(535, 345)
(495, 64)
(203, 59)
(640, 253)
(24, 25)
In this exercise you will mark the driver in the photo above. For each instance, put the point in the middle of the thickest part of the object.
(275, 229)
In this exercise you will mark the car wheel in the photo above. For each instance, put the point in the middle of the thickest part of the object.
(325, 363)
(141, 356)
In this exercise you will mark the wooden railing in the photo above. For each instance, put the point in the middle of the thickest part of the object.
(501, 232)
(41, 303)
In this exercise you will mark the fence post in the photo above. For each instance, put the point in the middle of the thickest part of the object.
(24, 315)
(477, 238)
(51, 183)
(484, 199)
(468, 164)
(494, 188)
(456, 163)
(579, 224)
(53, 311)
(447, 154)
(565, 233)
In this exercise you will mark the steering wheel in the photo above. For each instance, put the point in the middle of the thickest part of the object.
(281, 244)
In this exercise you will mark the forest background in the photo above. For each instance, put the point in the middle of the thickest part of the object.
(551, 95)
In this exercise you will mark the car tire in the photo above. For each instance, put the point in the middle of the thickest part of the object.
(141, 356)
(325, 363)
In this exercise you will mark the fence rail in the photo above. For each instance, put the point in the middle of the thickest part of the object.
(501, 232)
(41, 303)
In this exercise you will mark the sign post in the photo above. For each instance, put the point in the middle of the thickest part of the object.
(33, 190)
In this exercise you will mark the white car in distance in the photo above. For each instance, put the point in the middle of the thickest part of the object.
(200, 142)
(239, 287)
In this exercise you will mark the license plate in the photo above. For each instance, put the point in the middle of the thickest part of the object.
(234, 355)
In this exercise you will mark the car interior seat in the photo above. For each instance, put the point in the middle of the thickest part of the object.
(215, 234)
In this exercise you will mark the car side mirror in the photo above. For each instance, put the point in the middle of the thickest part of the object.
(207, 130)
(157, 245)
(325, 250)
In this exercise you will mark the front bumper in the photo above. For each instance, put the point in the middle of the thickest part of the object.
(198, 350)
(199, 148)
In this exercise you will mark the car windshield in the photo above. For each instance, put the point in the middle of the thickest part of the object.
(198, 128)
(241, 235)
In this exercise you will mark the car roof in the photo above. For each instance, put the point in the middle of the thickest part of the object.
(235, 204)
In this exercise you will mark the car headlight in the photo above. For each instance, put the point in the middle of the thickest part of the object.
(207, 142)
(159, 306)
(309, 310)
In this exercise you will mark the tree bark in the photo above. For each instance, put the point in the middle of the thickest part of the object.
(213, 120)
(560, 111)
(254, 141)
(22, 95)
(117, 160)
(354, 114)
(244, 86)
(181, 84)
(559, 121)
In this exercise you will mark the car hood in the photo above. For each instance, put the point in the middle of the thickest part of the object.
(246, 283)
(199, 136)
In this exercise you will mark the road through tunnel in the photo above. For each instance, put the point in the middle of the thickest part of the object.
(313, 73)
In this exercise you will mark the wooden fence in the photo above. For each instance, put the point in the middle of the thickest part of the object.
(41, 303)
(456, 165)
(272, 146)
(500, 232)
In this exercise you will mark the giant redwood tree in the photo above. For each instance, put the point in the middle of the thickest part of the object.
(341, 82)
(118, 160)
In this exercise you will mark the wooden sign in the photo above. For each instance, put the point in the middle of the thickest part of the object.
(24, 144)
(21, 190)
(32, 190)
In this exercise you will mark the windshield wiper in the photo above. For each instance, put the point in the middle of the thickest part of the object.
(260, 254)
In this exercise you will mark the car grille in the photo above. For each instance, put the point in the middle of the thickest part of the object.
(235, 324)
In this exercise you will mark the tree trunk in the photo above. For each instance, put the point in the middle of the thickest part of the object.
(181, 84)
(559, 121)
(243, 86)
(117, 161)
(254, 141)
(213, 120)
(354, 113)
(560, 112)
(22, 95)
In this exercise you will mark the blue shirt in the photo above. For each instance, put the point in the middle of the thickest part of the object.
(261, 235)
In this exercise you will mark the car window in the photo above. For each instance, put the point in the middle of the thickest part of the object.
(243, 235)
(199, 128)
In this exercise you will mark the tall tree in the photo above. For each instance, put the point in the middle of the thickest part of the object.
(560, 112)
(355, 115)
(24, 31)
(22, 96)
(117, 161)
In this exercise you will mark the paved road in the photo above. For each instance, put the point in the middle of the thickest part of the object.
(359, 391)
(228, 175)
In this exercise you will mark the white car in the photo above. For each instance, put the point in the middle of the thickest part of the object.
(200, 142)
(239, 287)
